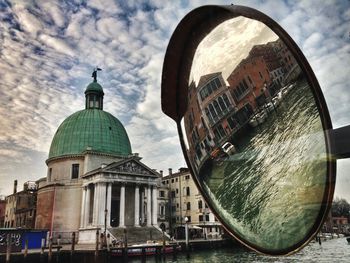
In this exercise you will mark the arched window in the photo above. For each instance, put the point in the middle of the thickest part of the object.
(200, 204)
(208, 114)
(212, 111)
(222, 104)
(216, 106)
(227, 102)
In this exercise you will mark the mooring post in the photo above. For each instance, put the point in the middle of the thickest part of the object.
(73, 243)
(101, 240)
(25, 249)
(108, 241)
(96, 247)
(8, 248)
(125, 246)
(72, 248)
(50, 250)
(42, 246)
(58, 249)
(163, 244)
(174, 252)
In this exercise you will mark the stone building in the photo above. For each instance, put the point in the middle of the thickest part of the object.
(21, 207)
(94, 181)
(2, 210)
(186, 201)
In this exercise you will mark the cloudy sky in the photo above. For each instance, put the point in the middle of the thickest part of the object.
(235, 37)
(48, 50)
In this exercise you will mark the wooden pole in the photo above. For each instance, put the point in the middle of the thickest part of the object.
(25, 249)
(125, 246)
(42, 250)
(58, 249)
(96, 247)
(8, 248)
(50, 250)
(163, 244)
(73, 243)
(72, 248)
(108, 242)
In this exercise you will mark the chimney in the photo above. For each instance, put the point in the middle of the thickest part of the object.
(170, 171)
(15, 187)
(161, 172)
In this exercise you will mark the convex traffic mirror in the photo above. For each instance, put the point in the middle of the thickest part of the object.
(253, 126)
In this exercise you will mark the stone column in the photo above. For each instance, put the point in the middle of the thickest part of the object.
(87, 206)
(137, 206)
(154, 206)
(142, 206)
(83, 207)
(122, 206)
(109, 204)
(96, 205)
(149, 207)
(102, 204)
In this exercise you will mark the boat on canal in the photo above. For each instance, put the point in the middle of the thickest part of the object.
(145, 250)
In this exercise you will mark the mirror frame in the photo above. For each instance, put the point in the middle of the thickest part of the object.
(175, 81)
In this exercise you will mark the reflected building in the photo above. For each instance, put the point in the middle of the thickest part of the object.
(218, 109)
(207, 121)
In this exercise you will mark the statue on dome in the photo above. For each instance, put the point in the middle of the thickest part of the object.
(94, 73)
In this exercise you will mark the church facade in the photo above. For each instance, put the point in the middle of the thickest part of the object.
(94, 181)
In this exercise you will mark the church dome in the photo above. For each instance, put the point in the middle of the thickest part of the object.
(91, 129)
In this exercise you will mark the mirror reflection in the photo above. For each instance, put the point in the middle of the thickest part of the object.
(254, 135)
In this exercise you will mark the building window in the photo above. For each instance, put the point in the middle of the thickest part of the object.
(187, 191)
(75, 170)
(176, 179)
(188, 206)
(161, 193)
(207, 218)
(172, 193)
(177, 191)
(172, 180)
(200, 218)
(187, 177)
(49, 175)
(200, 204)
(188, 219)
(161, 210)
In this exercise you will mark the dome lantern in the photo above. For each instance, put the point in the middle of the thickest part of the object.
(94, 93)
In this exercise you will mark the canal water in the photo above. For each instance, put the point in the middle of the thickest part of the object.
(333, 250)
(270, 191)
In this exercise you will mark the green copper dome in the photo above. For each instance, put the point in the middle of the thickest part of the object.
(93, 128)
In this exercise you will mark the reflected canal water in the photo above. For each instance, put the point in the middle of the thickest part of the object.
(271, 190)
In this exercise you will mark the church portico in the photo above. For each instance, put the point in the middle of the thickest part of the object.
(120, 191)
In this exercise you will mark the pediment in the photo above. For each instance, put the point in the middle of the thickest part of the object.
(130, 166)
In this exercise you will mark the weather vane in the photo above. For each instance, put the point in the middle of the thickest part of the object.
(94, 73)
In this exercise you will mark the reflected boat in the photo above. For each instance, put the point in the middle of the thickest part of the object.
(228, 148)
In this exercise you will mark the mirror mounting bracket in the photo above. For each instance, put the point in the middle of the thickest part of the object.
(340, 142)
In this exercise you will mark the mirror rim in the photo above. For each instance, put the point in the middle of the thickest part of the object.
(175, 79)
